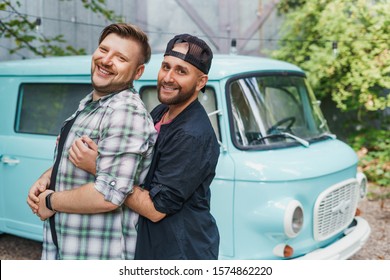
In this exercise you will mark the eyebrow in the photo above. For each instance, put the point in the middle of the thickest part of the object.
(183, 68)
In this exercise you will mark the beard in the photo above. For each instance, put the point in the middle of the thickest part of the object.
(179, 98)
(112, 86)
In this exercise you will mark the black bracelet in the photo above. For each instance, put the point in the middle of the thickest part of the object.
(48, 201)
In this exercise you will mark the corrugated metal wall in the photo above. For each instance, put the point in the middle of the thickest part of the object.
(253, 23)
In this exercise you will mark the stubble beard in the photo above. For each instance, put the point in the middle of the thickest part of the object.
(179, 98)
(110, 87)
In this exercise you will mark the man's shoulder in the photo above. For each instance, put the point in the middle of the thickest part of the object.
(127, 98)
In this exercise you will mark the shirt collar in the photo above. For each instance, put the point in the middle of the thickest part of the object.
(101, 102)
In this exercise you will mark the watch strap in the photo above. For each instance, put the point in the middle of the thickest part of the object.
(48, 201)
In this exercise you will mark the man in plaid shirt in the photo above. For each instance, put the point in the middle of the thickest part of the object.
(89, 221)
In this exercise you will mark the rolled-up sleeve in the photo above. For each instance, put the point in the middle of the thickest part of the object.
(165, 199)
(114, 189)
(127, 134)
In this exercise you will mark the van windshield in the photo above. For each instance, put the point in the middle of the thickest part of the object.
(274, 110)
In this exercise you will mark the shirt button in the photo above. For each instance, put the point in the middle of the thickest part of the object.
(112, 183)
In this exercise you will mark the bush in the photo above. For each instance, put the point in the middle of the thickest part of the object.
(373, 149)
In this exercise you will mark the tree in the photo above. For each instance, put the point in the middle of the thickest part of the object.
(21, 28)
(344, 47)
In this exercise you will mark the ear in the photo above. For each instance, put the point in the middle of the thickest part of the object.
(202, 81)
(140, 70)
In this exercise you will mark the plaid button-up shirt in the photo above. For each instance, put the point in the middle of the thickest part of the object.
(125, 134)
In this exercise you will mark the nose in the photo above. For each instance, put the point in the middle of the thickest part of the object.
(168, 76)
(107, 59)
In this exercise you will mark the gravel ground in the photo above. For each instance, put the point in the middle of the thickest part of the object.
(17, 248)
(376, 212)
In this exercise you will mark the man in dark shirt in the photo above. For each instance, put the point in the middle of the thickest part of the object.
(176, 221)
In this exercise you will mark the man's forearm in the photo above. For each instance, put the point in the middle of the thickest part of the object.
(83, 200)
(140, 202)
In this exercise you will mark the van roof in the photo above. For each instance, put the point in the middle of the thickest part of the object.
(222, 66)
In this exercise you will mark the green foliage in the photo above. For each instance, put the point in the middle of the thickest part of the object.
(98, 7)
(290, 5)
(23, 30)
(344, 47)
(373, 148)
(357, 75)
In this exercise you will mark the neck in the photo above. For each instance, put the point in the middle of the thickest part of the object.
(170, 115)
(175, 110)
(97, 95)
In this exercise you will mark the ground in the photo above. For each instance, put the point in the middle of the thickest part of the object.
(376, 212)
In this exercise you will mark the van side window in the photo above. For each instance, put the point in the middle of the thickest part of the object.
(42, 108)
(207, 99)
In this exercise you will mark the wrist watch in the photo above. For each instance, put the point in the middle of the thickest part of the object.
(48, 201)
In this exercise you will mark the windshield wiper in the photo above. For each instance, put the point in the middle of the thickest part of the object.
(303, 142)
(330, 135)
(300, 140)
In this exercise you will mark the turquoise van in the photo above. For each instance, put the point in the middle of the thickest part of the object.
(286, 188)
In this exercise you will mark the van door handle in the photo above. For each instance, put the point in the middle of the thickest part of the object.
(9, 160)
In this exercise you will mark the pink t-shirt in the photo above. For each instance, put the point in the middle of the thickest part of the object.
(158, 125)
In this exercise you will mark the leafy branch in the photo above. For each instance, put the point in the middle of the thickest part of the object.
(344, 46)
(98, 7)
(24, 30)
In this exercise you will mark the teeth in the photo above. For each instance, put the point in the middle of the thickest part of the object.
(169, 88)
(104, 71)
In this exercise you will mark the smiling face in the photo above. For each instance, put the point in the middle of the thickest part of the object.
(115, 64)
(179, 81)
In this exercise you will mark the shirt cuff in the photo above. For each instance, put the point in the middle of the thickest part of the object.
(165, 201)
(114, 190)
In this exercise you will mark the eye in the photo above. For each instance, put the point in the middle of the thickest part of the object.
(103, 49)
(181, 71)
(165, 67)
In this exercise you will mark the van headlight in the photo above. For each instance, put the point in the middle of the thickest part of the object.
(293, 218)
(362, 181)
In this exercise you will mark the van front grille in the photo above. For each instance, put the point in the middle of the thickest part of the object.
(335, 208)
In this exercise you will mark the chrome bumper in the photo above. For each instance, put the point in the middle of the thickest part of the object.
(354, 239)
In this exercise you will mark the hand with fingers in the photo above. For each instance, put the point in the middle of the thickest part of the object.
(43, 212)
(83, 154)
(41, 185)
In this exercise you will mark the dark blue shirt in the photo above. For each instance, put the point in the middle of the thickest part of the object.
(186, 155)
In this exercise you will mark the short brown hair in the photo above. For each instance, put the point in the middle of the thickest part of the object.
(125, 30)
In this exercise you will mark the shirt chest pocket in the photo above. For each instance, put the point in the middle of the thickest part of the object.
(94, 134)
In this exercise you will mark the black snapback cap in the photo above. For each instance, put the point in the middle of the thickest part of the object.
(199, 53)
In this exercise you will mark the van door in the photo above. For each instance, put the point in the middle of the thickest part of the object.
(35, 112)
